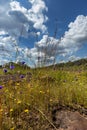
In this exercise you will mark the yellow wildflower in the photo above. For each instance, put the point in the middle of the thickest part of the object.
(15, 99)
(19, 102)
(1, 110)
(26, 110)
(42, 92)
(18, 84)
(28, 85)
(12, 128)
(6, 90)
(11, 110)
(51, 100)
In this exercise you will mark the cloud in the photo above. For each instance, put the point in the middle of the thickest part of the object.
(7, 48)
(73, 40)
(11, 21)
(50, 47)
(36, 14)
(74, 58)
(76, 36)
(3, 61)
(16, 20)
(44, 51)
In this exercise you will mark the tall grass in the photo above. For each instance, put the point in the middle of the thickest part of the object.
(27, 104)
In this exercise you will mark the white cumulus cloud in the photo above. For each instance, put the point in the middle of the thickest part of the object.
(73, 40)
(16, 20)
(76, 36)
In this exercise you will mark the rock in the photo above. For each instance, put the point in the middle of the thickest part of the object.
(68, 120)
(78, 123)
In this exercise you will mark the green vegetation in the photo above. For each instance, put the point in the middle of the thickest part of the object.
(26, 104)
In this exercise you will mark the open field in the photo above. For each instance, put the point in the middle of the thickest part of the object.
(30, 98)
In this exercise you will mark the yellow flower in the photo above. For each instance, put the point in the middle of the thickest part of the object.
(11, 110)
(15, 99)
(6, 90)
(1, 110)
(18, 84)
(26, 110)
(28, 86)
(41, 92)
(51, 100)
(12, 128)
(19, 102)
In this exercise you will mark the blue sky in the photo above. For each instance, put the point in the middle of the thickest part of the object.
(27, 25)
(65, 12)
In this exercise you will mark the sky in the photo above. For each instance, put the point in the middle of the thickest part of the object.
(35, 30)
